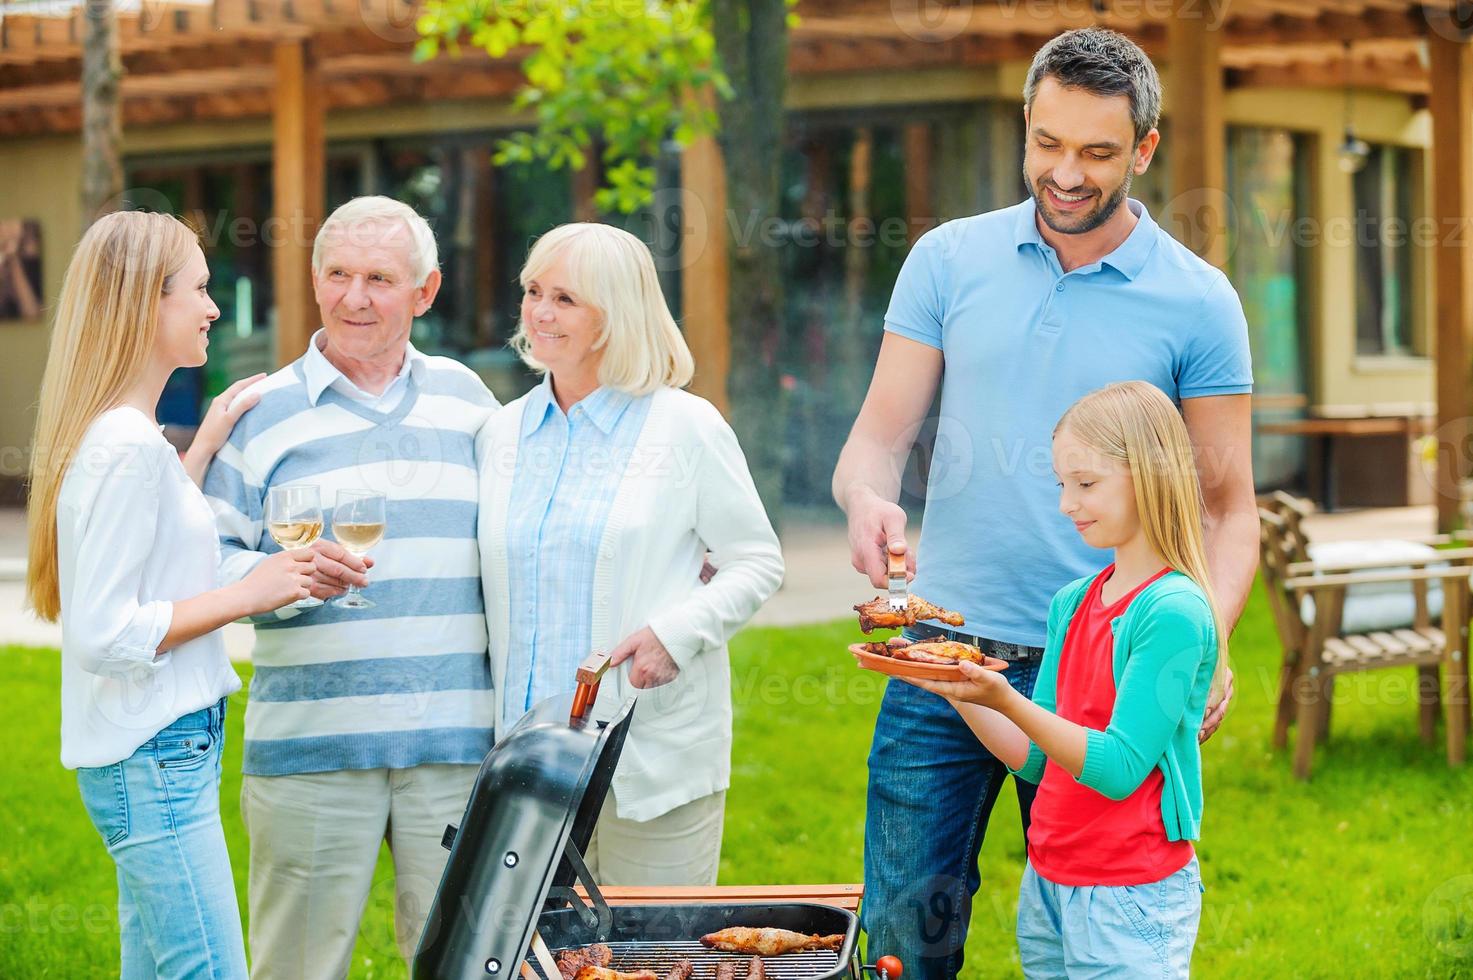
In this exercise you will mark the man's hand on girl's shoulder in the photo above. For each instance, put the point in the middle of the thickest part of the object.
(1217, 712)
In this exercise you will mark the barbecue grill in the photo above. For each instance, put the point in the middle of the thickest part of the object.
(508, 885)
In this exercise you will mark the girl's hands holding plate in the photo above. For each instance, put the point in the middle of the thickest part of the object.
(976, 685)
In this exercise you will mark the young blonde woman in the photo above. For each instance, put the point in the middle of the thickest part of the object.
(123, 551)
(1112, 886)
(601, 491)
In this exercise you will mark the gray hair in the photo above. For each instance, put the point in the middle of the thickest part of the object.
(1101, 62)
(361, 212)
(614, 273)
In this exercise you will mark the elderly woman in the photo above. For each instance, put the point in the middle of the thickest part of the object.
(602, 490)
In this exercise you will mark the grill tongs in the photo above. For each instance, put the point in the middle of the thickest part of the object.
(590, 674)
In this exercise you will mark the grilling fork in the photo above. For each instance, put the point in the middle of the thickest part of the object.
(899, 588)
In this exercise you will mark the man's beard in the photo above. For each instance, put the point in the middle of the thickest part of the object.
(1090, 221)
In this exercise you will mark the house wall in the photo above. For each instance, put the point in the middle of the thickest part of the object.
(47, 179)
(42, 181)
(1339, 377)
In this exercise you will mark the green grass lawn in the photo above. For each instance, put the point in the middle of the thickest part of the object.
(1365, 872)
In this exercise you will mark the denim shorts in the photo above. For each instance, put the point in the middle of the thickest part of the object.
(1123, 931)
(158, 813)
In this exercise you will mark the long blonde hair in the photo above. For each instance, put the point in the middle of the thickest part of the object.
(1134, 423)
(613, 272)
(106, 321)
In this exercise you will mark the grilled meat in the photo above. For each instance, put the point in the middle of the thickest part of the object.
(726, 971)
(570, 961)
(937, 652)
(682, 970)
(887, 648)
(755, 969)
(767, 942)
(877, 612)
(601, 973)
(924, 652)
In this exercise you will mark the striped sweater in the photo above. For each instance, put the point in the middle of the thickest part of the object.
(408, 681)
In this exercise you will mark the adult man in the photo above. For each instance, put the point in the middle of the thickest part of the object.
(363, 724)
(1027, 309)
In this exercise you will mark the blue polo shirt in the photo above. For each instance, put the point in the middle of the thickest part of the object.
(1022, 340)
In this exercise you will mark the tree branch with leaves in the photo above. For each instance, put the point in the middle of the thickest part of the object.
(627, 75)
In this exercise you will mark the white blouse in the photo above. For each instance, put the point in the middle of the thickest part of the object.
(134, 535)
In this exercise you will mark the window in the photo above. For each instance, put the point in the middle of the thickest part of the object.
(1383, 257)
(1267, 181)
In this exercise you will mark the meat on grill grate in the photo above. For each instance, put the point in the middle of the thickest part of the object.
(571, 961)
(768, 942)
(664, 958)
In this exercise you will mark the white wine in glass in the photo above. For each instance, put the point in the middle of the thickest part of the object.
(358, 523)
(294, 520)
(296, 534)
(358, 536)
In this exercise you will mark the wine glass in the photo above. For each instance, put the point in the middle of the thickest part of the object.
(358, 524)
(294, 520)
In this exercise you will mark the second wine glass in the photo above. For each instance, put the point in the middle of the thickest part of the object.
(358, 523)
(294, 520)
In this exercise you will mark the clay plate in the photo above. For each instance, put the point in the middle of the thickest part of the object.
(909, 668)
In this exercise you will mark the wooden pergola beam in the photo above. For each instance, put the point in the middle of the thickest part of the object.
(1452, 258)
(298, 166)
(1405, 77)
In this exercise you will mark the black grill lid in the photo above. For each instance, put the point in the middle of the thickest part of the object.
(535, 802)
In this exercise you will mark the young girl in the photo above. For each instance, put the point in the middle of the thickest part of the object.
(123, 550)
(1112, 886)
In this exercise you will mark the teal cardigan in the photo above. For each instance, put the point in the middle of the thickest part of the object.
(1165, 653)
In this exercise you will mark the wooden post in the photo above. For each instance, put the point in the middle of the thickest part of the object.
(298, 174)
(488, 290)
(1452, 257)
(920, 212)
(1197, 215)
(585, 184)
(705, 283)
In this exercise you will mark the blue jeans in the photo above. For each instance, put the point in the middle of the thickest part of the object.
(158, 812)
(932, 786)
(1109, 931)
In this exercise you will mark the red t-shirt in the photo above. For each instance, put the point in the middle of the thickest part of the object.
(1078, 836)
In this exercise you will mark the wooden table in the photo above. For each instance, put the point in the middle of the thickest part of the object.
(1325, 429)
(839, 896)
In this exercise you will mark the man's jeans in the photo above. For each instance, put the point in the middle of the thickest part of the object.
(158, 812)
(932, 786)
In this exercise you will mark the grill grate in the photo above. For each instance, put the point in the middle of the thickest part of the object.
(661, 956)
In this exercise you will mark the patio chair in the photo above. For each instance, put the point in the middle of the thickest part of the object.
(1402, 607)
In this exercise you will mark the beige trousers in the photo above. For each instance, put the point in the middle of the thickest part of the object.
(682, 847)
(315, 841)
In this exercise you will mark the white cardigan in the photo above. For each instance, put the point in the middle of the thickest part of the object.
(685, 489)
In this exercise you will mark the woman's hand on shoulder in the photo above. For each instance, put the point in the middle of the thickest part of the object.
(214, 429)
(652, 664)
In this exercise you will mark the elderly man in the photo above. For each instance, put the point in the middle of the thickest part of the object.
(363, 725)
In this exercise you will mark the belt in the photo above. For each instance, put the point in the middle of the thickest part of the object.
(1011, 652)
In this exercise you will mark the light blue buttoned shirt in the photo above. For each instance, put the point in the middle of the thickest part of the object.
(568, 471)
(1022, 340)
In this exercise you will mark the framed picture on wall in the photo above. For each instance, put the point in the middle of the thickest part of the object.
(20, 269)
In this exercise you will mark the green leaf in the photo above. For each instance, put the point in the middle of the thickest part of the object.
(617, 77)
